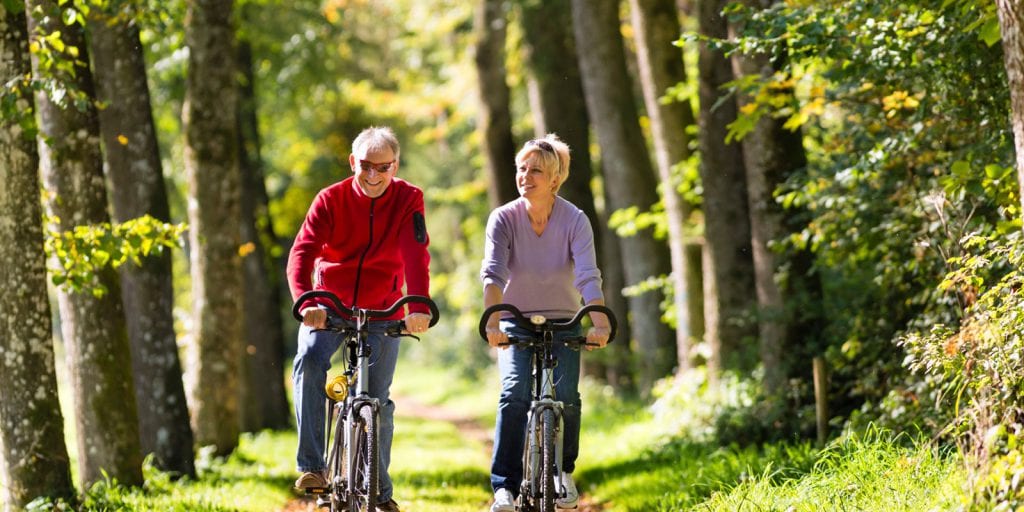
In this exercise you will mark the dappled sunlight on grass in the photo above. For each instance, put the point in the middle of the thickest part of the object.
(435, 468)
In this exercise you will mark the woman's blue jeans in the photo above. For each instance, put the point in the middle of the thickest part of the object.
(516, 369)
(309, 375)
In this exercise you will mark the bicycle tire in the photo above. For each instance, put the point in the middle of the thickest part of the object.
(365, 482)
(336, 466)
(548, 462)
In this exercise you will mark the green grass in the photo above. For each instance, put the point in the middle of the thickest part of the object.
(630, 461)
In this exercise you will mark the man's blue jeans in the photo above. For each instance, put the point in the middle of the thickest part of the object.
(516, 369)
(309, 375)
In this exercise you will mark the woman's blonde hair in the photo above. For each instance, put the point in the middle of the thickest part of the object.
(553, 154)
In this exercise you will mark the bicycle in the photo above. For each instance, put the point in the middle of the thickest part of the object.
(352, 452)
(542, 453)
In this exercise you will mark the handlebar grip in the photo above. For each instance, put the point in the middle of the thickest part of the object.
(482, 329)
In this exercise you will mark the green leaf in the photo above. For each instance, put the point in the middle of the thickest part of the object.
(989, 32)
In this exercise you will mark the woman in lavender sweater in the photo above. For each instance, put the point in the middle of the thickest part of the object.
(539, 256)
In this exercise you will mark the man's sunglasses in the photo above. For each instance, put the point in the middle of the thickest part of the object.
(380, 168)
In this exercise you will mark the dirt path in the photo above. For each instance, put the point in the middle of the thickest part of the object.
(469, 427)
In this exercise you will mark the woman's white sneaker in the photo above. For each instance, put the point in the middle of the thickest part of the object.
(503, 501)
(572, 496)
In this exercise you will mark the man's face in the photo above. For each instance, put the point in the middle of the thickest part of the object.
(374, 170)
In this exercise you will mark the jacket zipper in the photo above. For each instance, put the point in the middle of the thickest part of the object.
(359, 268)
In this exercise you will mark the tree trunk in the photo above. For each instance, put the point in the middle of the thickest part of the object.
(557, 104)
(1011, 25)
(211, 162)
(771, 154)
(629, 178)
(137, 189)
(33, 457)
(656, 25)
(490, 25)
(264, 404)
(94, 330)
(729, 290)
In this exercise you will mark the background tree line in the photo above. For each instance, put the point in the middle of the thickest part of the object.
(769, 182)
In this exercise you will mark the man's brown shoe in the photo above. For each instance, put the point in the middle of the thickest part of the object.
(387, 506)
(311, 480)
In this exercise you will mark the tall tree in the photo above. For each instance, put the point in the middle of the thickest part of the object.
(33, 457)
(1011, 27)
(491, 26)
(556, 101)
(94, 330)
(730, 295)
(137, 188)
(771, 154)
(656, 25)
(629, 178)
(211, 162)
(263, 404)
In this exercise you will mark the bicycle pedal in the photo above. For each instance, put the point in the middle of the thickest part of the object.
(316, 490)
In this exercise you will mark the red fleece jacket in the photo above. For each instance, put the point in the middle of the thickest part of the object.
(363, 249)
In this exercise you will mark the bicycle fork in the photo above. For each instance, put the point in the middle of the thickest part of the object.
(545, 402)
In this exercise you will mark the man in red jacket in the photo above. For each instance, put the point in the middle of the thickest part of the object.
(363, 239)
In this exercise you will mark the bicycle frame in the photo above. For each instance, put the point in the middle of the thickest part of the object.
(542, 454)
(353, 483)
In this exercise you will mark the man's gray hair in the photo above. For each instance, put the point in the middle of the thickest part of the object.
(376, 138)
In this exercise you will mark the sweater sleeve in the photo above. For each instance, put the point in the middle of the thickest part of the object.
(587, 277)
(309, 242)
(497, 249)
(413, 242)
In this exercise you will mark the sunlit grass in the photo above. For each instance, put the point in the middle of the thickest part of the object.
(629, 461)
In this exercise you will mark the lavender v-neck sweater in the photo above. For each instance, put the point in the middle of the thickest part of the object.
(544, 274)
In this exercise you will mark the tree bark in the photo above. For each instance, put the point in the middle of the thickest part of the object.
(264, 404)
(490, 25)
(729, 290)
(137, 188)
(1011, 26)
(557, 104)
(32, 451)
(211, 162)
(94, 330)
(656, 25)
(629, 178)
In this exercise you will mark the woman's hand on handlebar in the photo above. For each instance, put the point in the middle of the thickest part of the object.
(495, 336)
(597, 337)
(314, 317)
(417, 323)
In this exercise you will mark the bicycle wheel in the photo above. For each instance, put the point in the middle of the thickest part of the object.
(336, 465)
(548, 463)
(365, 481)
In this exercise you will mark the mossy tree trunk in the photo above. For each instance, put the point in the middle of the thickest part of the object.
(491, 26)
(263, 404)
(137, 188)
(94, 330)
(211, 163)
(656, 26)
(1011, 26)
(629, 177)
(33, 457)
(730, 297)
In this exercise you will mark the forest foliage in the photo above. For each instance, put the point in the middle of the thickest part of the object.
(909, 201)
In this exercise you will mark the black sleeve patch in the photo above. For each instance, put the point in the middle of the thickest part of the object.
(419, 227)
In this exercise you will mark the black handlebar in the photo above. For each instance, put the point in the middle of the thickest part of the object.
(548, 325)
(370, 313)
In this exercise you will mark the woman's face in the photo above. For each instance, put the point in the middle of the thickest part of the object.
(532, 180)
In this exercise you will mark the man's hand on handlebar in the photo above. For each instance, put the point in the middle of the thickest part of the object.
(417, 323)
(315, 318)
